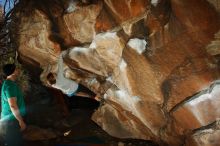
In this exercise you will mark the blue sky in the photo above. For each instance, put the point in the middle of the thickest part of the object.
(2, 1)
(7, 6)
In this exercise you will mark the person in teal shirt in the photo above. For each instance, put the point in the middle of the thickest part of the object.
(12, 107)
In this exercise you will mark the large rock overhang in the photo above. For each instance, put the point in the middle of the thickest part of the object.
(145, 59)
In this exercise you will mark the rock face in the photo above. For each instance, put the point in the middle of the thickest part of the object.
(155, 64)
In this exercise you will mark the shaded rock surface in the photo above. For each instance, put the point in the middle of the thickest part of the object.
(34, 133)
(145, 59)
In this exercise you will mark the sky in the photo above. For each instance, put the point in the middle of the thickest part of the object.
(2, 1)
(7, 6)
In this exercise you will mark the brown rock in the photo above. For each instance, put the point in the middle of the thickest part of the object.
(33, 133)
(208, 137)
(201, 110)
(214, 47)
(34, 39)
(81, 23)
(105, 55)
(216, 4)
(154, 57)
(111, 117)
(182, 38)
(124, 10)
(104, 21)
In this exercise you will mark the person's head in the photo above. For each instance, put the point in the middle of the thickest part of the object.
(10, 70)
(51, 79)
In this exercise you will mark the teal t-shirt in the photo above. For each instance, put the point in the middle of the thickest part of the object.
(11, 89)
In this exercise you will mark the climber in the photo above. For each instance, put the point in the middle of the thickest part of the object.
(67, 86)
(70, 87)
(13, 107)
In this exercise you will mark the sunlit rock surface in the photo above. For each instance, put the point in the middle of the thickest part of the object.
(208, 136)
(80, 24)
(201, 110)
(151, 62)
(34, 40)
(215, 3)
(121, 128)
(213, 47)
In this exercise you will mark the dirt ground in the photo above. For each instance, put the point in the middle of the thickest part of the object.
(83, 131)
(76, 129)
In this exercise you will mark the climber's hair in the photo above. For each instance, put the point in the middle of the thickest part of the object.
(51, 79)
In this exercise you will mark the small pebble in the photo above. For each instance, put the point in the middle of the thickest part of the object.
(121, 144)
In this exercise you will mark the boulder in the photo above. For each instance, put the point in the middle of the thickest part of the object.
(154, 64)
